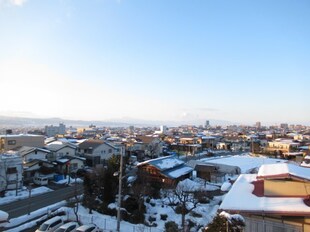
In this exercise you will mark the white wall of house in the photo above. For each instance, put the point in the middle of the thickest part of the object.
(76, 164)
(104, 151)
(40, 155)
(11, 172)
(66, 151)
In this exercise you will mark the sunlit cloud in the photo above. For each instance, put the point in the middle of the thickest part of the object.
(17, 2)
(6, 3)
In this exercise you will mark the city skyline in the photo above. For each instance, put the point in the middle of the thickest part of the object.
(238, 61)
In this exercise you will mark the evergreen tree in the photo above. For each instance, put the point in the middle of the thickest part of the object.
(90, 196)
(226, 223)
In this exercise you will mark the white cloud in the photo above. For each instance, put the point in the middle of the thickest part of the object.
(17, 2)
(12, 2)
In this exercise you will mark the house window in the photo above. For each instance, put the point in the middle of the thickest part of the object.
(74, 166)
(11, 142)
(11, 170)
(110, 150)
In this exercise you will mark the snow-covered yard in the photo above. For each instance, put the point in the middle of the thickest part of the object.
(157, 210)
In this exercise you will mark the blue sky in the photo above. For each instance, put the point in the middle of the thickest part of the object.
(174, 60)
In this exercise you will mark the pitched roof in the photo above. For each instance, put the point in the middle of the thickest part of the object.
(146, 139)
(242, 199)
(24, 150)
(57, 147)
(178, 171)
(163, 163)
(93, 143)
(283, 170)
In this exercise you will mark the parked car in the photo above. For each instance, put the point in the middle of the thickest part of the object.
(88, 228)
(51, 224)
(69, 226)
(40, 180)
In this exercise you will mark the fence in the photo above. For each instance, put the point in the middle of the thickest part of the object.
(257, 225)
(109, 224)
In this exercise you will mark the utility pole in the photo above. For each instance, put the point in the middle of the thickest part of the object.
(29, 201)
(16, 182)
(120, 176)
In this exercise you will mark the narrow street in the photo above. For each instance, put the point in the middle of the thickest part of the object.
(22, 207)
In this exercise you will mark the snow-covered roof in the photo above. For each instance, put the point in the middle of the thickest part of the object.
(58, 146)
(241, 198)
(178, 172)
(208, 137)
(305, 164)
(245, 162)
(163, 163)
(24, 150)
(283, 170)
(62, 160)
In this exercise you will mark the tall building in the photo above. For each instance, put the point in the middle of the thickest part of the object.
(284, 125)
(163, 129)
(207, 125)
(51, 131)
(258, 125)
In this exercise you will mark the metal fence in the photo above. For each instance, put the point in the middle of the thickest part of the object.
(109, 225)
(257, 225)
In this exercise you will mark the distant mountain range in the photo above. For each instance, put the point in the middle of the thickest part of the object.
(8, 121)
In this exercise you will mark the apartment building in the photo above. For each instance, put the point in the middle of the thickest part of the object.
(11, 142)
(11, 171)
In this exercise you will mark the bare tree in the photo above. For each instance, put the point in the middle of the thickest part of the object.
(182, 199)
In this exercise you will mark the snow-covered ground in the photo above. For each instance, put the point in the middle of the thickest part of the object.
(155, 208)
(23, 193)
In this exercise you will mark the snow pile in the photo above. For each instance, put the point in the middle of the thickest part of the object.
(69, 179)
(3, 216)
(225, 186)
(232, 217)
(198, 184)
(10, 196)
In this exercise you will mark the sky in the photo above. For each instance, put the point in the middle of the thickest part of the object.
(169, 60)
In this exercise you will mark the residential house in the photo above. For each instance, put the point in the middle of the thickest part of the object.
(30, 168)
(213, 172)
(207, 141)
(11, 171)
(277, 198)
(59, 150)
(29, 154)
(281, 146)
(97, 151)
(167, 170)
(151, 146)
(69, 164)
(10, 142)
